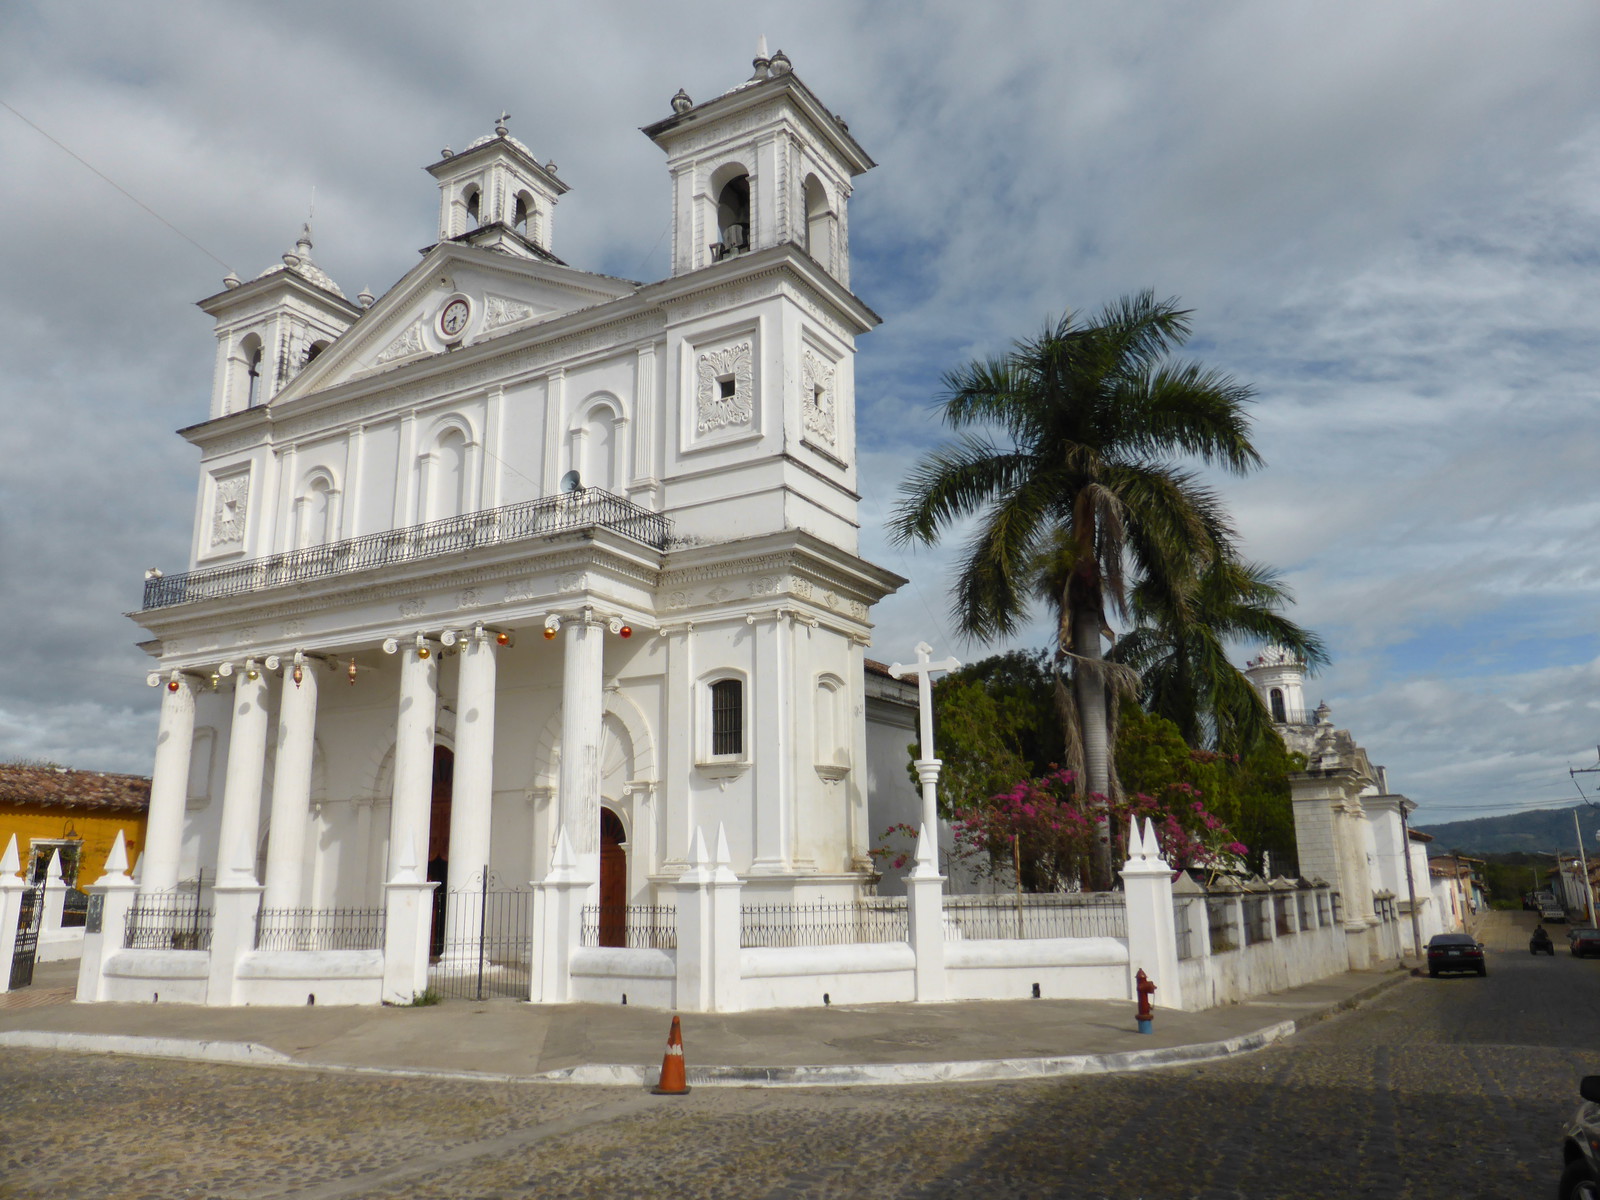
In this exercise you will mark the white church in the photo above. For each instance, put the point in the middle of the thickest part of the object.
(519, 548)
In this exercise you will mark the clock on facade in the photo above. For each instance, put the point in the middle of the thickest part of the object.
(453, 317)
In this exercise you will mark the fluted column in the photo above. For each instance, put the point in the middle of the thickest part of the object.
(169, 787)
(241, 791)
(472, 790)
(413, 756)
(582, 708)
(291, 787)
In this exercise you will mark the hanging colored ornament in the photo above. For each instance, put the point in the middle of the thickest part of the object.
(352, 672)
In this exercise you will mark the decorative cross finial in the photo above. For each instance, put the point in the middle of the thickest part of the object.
(927, 764)
(500, 122)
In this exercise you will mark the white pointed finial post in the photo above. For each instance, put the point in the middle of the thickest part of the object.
(926, 862)
(761, 46)
(10, 864)
(927, 765)
(116, 861)
(1152, 848)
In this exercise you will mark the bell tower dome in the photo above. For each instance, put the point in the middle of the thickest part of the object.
(496, 194)
(762, 164)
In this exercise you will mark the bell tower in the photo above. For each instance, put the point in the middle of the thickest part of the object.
(762, 164)
(496, 194)
(1279, 677)
(269, 328)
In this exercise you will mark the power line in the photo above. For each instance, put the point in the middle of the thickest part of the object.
(65, 149)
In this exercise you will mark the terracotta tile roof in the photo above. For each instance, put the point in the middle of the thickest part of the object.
(57, 787)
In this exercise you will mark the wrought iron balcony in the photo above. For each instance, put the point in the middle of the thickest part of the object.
(585, 508)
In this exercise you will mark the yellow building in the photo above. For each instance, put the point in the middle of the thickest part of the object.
(76, 812)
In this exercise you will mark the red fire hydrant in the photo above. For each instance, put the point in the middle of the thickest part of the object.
(1145, 988)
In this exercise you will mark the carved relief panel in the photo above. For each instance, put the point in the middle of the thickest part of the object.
(724, 389)
(819, 406)
(229, 510)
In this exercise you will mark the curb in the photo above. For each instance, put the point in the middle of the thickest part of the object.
(626, 1075)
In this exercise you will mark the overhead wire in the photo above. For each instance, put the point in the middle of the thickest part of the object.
(70, 152)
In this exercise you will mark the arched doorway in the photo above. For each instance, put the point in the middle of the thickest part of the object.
(613, 880)
(444, 769)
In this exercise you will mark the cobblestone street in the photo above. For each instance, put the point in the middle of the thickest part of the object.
(1453, 1087)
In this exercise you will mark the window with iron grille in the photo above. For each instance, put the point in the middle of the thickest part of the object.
(727, 717)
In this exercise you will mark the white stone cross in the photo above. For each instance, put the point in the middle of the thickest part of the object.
(927, 765)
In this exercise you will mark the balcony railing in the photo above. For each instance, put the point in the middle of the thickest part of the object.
(585, 508)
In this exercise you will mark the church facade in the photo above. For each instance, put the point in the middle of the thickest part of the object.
(519, 558)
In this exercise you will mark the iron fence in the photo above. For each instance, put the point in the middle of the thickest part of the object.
(1257, 920)
(882, 919)
(1219, 924)
(631, 926)
(584, 508)
(319, 929)
(169, 921)
(25, 949)
(1180, 925)
(482, 943)
(1036, 915)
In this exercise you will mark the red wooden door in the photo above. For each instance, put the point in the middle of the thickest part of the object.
(613, 881)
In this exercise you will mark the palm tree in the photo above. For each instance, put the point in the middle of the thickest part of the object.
(1179, 649)
(1064, 455)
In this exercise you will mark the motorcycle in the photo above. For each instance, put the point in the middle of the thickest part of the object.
(1540, 943)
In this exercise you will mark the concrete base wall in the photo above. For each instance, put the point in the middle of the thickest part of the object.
(1286, 961)
(603, 975)
(157, 976)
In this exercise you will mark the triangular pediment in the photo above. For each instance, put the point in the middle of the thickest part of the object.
(490, 295)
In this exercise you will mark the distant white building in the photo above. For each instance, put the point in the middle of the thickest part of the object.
(1350, 830)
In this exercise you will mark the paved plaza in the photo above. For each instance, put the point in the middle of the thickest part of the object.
(1452, 1087)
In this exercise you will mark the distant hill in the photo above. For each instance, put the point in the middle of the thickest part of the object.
(1546, 829)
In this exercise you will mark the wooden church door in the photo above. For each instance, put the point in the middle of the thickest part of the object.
(613, 881)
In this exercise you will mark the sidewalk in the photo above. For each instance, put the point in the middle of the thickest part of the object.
(596, 1044)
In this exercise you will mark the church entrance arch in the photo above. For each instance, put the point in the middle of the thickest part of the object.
(613, 880)
(444, 766)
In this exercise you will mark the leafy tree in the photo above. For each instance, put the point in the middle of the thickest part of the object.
(1179, 649)
(1249, 793)
(1064, 455)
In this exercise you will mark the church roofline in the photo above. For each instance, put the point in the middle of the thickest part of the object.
(472, 236)
(449, 164)
(219, 303)
(832, 129)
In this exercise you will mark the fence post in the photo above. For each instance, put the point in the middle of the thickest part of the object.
(925, 918)
(11, 891)
(1152, 936)
(708, 920)
(233, 935)
(407, 925)
(557, 925)
(55, 897)
(105, 928)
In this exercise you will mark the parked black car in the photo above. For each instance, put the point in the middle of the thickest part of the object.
(1581, 1178)
(1584, 942)
(1455, 952)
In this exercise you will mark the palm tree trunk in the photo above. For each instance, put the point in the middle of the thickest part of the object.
(1090, 689)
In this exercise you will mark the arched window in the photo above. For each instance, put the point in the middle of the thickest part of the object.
(598, 467)
(447, 486)
(733, 215)
(472, 200)
(830, 729)
(316, 348)
(819, 219)
(1279, 714)
(525, 217)
(317, 516)
(727, 718)
(254, 389)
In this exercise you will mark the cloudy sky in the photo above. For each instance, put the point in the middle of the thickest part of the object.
(1385, 214)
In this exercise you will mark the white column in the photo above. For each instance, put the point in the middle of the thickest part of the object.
(241, 791)
(291, 787)
(582, 708)
(767, 743)
(676, 794)
(169, 787)
(925, 917)
(413, 757)
(472, 789)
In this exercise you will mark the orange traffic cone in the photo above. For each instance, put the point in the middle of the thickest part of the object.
(672, 1082)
